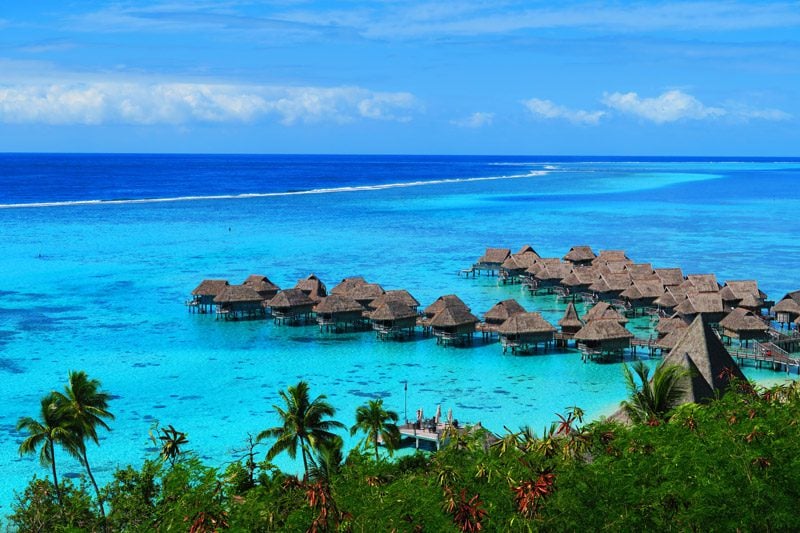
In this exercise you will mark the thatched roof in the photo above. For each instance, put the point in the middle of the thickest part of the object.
(743, 320)
(644, 288)
(338, 303)
(641, 271)
(580, 275)
(701, 351)
(453, 316)
(520, 261)
(787, 305)
(237, 294)
(503, 310)
(525, 323)
(670, 339)
(701, 302)
(579, 254)
(347, 284)
(291, 298)
(398, 295)
(669, 276)
(366, 292)
(260, 283)
(740, 289)
(612, 267)
(602, 330)
(527, 249)
(392, 310)
(553, 272)
(210, 287)
(700, 283)
(495, 255)
(611, 256)
(667, 300)
(668, 325)
(570, 318)
(449, 300)
(313, 287)
(604, 311)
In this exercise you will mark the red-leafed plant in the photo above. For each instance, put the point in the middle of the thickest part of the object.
(529, 494)
(468, 513)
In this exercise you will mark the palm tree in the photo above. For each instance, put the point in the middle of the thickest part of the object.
(171, 442)
(51, 429)
(657, 396)
(303, 424)
(85, 407)
(378, 424)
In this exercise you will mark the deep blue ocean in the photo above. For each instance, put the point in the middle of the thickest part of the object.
(99, 253)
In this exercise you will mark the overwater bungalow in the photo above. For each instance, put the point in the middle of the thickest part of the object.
(393, 319)
(313, 287)
(580, 256)
(291, 305)
(491, 260)
(670, 277)
(570, 323)
(643, 293)
(668, 341)
(743, 293)
(787, 310)
(203, 295)
(454, 325)
(707, 304)
(668, 301)
(338, 312)
(711, 367)
(549, 276)
(579, 280)
(262, 285)
(499, 313)
(515, 265)
(522, 332)
(448, 300)
(603, 338)
(743, 325)
(398, 295)
(239, 301)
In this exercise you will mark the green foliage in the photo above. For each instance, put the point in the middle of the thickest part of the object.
(651, 400)
(378, 425)
(38, 509)
(132, 497)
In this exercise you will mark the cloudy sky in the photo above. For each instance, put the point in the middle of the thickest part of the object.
(466, 77)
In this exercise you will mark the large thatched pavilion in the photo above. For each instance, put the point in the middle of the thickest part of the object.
(523, 332)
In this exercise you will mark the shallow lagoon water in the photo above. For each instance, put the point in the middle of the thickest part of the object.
(101, 287)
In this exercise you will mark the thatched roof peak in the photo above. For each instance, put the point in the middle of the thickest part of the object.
(503, 310)
(700, 283)
(237, 293)
(392, 310)
(641, 271)
(787, 305)
(580, 254)
(495, 255)
(602, 330)
(527, 249)
(260, 283)
(210, 287)
(668, 325)
(291, 298)
(604, 311)
(453, 316)
(525, 323)
(611, 256)
(313, 287)
(448, 300)
(741, 319)
(570, 318)
(702, 302)
(700, 350)
(338, 303)
(366, 292)
(670, 276)
(397, 295)
(347, 284)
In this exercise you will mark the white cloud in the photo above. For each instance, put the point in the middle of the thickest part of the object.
(478, 119)
(182, 103)
(668, 107)
(551, 110)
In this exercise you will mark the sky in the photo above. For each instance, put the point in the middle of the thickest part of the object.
(401, 77)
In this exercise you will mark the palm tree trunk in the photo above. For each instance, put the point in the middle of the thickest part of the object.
(377, 457)
(96, 489)
(55, 477)
(305, 461)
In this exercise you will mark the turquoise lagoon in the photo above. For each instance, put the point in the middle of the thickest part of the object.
(101, 286)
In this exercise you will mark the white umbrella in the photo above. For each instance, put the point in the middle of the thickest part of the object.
(438, 413)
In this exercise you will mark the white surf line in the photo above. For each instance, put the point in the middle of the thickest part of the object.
(332, 190)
